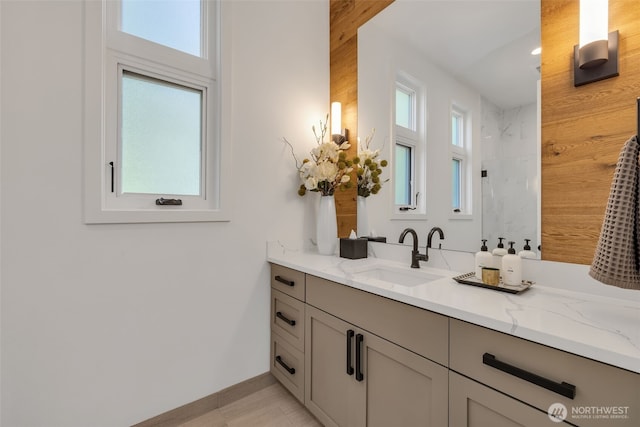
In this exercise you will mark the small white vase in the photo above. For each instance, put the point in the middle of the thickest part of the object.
(327, 226)
(362, 217)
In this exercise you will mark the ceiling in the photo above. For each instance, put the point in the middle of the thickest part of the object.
(486, 44)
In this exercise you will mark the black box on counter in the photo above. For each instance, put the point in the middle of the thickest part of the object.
(354, 248)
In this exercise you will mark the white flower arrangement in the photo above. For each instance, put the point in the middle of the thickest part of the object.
(328, 168)
(368, 168)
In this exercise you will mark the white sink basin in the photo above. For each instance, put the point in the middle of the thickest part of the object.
(397, 276)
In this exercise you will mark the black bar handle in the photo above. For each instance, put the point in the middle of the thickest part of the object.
(112, 177)
(285, 281)
(563, 388)
(350, 334)
(286, 319)
(285, 366)
(359, 374)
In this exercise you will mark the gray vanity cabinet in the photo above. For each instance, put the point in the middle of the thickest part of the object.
(359, 359)
(357, 378)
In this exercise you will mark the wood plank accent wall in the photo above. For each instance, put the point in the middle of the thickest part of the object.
(583, 128)
(345, 18)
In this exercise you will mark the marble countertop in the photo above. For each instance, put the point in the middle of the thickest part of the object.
(593, 326)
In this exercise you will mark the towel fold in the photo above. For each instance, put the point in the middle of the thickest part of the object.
(617, 258)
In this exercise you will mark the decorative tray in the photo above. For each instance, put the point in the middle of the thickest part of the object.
(471, 279)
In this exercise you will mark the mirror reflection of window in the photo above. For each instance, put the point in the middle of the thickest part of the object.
(456, 183)
(407, 143)
(403, 174)
(405, 107)
(460, 161)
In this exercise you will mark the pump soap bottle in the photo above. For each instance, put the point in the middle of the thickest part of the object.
(511, 267)
(483, 259)
(500, 250)
(527, 252)
(498, 253)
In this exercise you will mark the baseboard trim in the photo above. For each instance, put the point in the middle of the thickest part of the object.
(208, 403)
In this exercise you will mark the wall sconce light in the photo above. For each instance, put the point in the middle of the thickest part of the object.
(338, 135)
(596, 57)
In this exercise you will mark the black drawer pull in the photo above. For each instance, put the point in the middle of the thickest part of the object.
(350, 334)
(285, 281)
(286, 319)
(285, 366)
(564, 389)
(359, 374)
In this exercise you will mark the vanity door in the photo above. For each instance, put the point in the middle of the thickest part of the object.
(402, 388)
(332, 393)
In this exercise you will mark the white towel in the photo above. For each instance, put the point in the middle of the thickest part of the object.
(617, 258)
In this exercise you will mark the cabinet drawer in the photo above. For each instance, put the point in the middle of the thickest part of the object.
(514, 366)
(289, 281)
(287, 318)
(473, 404)
(287, 365)
(418, 330)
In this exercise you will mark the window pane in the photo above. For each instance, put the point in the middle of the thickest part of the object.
(173, 23)
(161, 137)
(456, 169)
(403, 109)
(403, 175)
(456, 130)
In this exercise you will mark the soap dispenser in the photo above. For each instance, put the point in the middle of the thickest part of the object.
(498, 253)
(511, 267)
(500, 250)
(483, 259)
(527, 252)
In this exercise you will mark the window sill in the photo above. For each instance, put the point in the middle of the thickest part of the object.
(154, 216)
(408, 216)
(461, 216)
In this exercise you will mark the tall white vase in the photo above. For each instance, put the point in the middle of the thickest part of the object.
(327, 226)
(362, 217)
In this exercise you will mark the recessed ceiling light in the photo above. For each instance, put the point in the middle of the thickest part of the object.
(536, 51)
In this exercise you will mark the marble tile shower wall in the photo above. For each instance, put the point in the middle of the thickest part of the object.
(510, 190)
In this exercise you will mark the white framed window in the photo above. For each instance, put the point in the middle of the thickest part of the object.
(460, 162)
(153, 112)
(409, 153)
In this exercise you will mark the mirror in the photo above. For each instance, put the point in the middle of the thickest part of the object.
(468, 56)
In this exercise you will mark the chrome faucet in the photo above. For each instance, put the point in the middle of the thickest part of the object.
(430, 236)
(416, 256)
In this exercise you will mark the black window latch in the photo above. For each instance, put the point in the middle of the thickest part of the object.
(168, 202)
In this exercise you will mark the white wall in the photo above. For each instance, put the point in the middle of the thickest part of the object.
(379, 60)
(112, 324)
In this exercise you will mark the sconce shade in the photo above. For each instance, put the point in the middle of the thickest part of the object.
(596, 56)
(593, 54)
(338, 135)
(596, 70)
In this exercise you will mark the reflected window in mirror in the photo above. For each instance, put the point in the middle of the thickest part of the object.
(460, 162)
(409, 146)
(404, 174)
